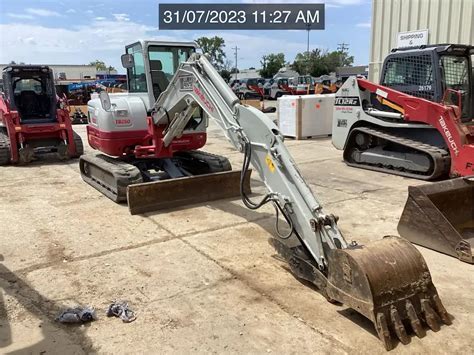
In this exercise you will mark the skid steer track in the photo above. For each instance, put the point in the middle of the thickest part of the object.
(438, 159)
(4, 147)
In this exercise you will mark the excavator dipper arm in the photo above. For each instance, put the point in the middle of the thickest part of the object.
(388, 282)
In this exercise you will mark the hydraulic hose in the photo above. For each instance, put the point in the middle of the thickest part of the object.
(266, 199)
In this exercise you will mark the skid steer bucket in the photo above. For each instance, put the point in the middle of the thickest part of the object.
(165, 194)
(388, 282)
(440, 216)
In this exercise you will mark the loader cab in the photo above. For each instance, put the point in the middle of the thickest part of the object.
(151, 65)
(30, 91)
(439, 73)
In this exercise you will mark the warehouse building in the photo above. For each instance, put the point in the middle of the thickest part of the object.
(342, 73)
(404, 23)
(72, 73)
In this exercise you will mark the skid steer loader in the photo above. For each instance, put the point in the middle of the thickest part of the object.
(419, 123)
(387, 281)
(33, 120)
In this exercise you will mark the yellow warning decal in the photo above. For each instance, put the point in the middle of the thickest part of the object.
(270, 164)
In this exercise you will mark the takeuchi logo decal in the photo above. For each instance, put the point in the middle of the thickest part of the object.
(203, 98)
(449, 136)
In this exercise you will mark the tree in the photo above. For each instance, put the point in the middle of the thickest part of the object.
(271, 64)
(214, 48)
(226, 75)
(101, 66)
(318, 62)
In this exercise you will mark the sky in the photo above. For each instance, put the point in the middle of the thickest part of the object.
(78, 32)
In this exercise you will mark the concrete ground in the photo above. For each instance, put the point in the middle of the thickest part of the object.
(201, 279)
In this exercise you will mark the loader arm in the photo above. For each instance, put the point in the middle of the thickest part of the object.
(386, 282)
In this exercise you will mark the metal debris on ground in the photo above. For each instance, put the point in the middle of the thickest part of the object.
(121, 310)
(77, 315)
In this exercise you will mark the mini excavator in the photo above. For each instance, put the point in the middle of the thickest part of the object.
(387, 281)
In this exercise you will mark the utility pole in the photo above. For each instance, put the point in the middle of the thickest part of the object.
(308, 29)
(236, 50)
(343, 48)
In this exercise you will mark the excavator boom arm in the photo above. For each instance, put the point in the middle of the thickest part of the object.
(388, 281)
(196, 83)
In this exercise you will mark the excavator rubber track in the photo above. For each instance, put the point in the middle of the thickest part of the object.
(199, 162)
(4, 147)
(111, 176)
(208, 177)
(439, 159)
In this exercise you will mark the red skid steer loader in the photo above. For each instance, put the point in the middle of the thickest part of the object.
(32, 119)
(419, 123)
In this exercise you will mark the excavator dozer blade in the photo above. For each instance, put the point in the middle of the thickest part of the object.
(172, 193)
(440, 216)
(388, 282)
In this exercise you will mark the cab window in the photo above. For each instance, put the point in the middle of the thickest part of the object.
(136, 74)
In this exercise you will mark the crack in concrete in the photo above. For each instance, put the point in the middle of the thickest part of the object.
(194, 290)
(254, 287)
(172, 236)
(343, 200)
(305, 162)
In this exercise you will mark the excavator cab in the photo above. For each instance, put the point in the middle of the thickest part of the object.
(150, 66)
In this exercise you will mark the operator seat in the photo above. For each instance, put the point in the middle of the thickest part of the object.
(158, 78)
(29, 104)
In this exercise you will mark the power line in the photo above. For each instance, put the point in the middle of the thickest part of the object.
(343, 47)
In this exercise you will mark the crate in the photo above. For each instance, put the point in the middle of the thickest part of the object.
(305, 116)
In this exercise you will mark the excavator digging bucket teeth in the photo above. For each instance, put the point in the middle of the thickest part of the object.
(388, 282)
(172, 193)
(440, 216)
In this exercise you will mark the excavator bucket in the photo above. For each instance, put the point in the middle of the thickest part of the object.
(440, 216)
(172, 193)
(388, 282)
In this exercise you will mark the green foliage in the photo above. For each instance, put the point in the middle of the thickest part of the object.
(214, 48)
(225, 74)
(318, 62)
(271, 63)
(101, 66)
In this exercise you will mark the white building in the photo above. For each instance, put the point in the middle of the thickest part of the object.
(446, 21)
(246, 74)
(71, 73)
